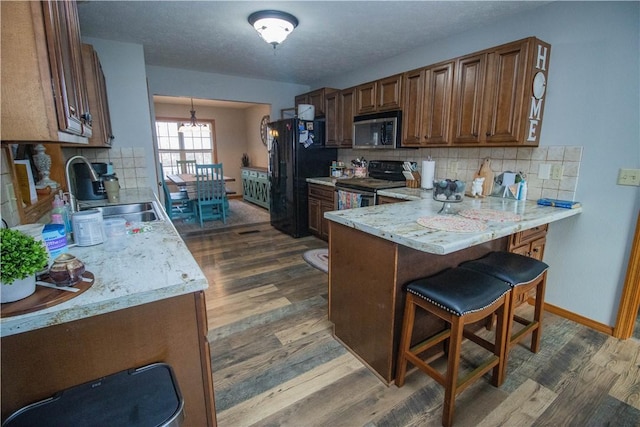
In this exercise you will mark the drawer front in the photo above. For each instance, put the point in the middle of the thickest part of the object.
(253, 174)
(321, 192)
(529, 235)
(263, 176)
(245, 173)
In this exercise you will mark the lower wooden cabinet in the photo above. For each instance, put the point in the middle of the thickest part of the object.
(385, 200)
(529, 242)
(321, 200)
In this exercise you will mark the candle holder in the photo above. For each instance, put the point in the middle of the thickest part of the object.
(42, 162)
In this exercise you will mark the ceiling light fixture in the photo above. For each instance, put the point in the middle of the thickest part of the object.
(272, 25)
(193, 124)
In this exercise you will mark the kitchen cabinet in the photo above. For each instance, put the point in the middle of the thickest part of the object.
(315, 98)
(380, 95)
(529, 243)
(44, 97)
(339, 118)
(499, 94)
(385, 200)
(102, 135)
(321, 199)
(427, 105)
(255, 186)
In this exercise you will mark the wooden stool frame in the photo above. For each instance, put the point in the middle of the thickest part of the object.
(452, 383)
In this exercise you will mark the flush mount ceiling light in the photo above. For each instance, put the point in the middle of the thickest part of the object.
(193, 124)
(272, 25)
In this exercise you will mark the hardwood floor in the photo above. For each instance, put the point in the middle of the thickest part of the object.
(275, 362)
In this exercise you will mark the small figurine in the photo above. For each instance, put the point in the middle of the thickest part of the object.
(476, 187)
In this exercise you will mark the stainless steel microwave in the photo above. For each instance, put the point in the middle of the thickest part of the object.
(380, 130)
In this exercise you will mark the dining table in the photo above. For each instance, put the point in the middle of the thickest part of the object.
(187, 182)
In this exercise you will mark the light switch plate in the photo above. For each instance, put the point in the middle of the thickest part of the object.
(544, 171)
(556, 171)
(629, 177)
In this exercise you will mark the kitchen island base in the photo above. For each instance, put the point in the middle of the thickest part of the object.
(366, 300)
(39, 363)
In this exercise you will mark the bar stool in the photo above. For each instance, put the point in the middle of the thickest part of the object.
(459, 297)
(523, 274)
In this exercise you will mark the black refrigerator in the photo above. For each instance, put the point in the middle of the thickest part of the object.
(297, 153)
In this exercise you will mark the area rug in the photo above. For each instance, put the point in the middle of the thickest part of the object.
(318, 258)
(240, 213)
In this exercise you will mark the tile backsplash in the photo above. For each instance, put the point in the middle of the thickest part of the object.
(129, 163)
(467, 161)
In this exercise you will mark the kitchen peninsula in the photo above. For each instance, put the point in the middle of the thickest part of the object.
(374, 251)
(146, 305)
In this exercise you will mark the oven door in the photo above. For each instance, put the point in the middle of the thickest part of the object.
(349, 198)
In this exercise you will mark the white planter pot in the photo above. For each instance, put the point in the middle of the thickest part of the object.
(18, 290)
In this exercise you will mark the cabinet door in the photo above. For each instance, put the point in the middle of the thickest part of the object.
(366, 98)
(316, 98)
(97, 93)
(468, 98)
(325, 206)
(389, 92)
(346, 104)
(333, 119)
(412, 111)
(315, 216)
(437, 104)
(505, 93)
(63, 40)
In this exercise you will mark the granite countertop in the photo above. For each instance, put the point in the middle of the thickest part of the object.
(152, 265)
(397, 222)
(328, 181)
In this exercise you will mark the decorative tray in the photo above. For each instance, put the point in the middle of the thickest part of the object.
(452, 223)
(45, 297)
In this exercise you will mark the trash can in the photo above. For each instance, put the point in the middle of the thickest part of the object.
(141, 397)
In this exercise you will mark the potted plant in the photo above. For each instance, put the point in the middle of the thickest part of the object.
(21, 257)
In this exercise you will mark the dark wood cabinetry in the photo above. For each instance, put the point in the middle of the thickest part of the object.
(321, 199)
(529, 242)
(44, 97)
(339, 118)
(427, 105)
(97, 94)
(380, 95)
(496, 101)
(315, 98)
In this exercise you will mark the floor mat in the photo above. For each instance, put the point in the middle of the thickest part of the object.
(318, 258)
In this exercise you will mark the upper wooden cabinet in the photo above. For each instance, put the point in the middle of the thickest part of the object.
(97, 93)
(499, 94)
(427, 105)
(380, 95)
(44, 97)
(339, 118)
(315, 98)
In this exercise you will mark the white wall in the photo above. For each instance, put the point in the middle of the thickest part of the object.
(593, 98)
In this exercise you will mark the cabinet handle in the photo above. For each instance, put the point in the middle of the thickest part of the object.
(488, 133)
(86, 117)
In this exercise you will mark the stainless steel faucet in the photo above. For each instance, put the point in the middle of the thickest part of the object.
(92, 174)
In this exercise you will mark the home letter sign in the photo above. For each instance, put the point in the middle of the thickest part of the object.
(539, 86)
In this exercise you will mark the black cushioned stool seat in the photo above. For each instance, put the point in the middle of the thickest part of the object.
(459, 297)
(524, 274)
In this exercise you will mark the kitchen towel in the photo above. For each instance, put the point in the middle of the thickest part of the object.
(428, 174)
(348, 200)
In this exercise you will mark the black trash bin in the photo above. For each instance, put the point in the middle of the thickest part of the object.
(140, 397)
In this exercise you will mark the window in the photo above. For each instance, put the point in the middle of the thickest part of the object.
(196, 145)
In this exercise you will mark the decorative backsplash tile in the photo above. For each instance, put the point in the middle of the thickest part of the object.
(129, 163)
(466, 162)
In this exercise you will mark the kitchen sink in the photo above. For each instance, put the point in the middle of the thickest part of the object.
(133, 212)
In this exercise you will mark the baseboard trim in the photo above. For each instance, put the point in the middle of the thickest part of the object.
(600, 327)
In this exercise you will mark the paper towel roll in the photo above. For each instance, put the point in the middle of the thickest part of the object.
(428, 173)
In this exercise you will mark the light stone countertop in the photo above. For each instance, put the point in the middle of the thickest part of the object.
(328, 181)
(151, 266)
(397, 222)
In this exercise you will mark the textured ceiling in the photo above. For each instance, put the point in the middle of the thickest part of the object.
(332, 38)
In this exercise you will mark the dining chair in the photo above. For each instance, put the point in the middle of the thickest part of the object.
(177, 204)
(211, 194)
(186, 166)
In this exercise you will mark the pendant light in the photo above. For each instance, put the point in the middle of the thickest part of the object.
(272, 25)
(193, 124)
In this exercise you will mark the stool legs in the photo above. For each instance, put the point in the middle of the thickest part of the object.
(453, 385)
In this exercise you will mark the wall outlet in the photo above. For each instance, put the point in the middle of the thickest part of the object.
(453, 167)
(629, 177)
(544, 171)
(556, 171)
